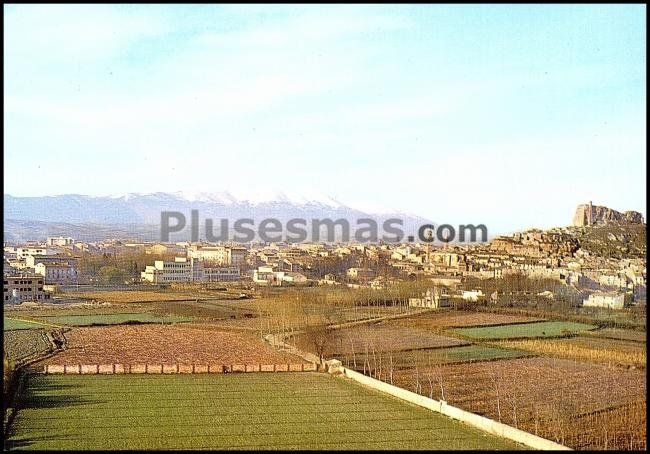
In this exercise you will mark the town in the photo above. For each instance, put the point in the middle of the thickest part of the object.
(325, 227)
(559, 302)
(580, 274)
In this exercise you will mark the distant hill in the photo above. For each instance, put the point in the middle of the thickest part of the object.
(138, 215)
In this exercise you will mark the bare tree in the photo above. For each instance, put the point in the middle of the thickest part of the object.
(320, 337)
(496, 382)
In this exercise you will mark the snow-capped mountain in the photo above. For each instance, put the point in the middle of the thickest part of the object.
(138, 210)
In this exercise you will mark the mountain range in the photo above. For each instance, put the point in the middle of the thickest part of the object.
(138, 216)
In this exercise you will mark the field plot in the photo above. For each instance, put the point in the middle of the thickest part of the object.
(526, 330)
(142, 296)
(113, 319)
(596, 349)
(10, 324)
(257, 319)
(378, 337)
(253, 411)
(617, 333)
(456, 319)
(208, 309)
(23, 344)
(168, 344)
(553, 398)
(379, 364)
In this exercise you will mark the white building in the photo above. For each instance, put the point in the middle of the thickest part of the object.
(59, 241)
(187, 270)
(23, 252)
(220, 255)
(472, 295)
(57, 273)
(432, 299)
(612, 300)
(164, 272)
(265, 275)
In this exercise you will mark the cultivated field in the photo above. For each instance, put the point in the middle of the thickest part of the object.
(112, 319)
(455, 319)
(10, 324)
(164, 344)
(616, 333)
(27, 343)
(544, 396)
(377, 338)
(143, 296)
(233, 411)
(380, 364)
(599, 350)
(526, 330)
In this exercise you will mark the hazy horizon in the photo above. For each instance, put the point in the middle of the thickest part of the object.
(505, 115)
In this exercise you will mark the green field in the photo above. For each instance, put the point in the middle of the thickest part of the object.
(430, 357)
(11, 324)
(232, 411)
(525, 330)
(113, 319)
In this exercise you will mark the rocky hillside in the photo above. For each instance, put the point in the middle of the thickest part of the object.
(613, 240)
(588, 214)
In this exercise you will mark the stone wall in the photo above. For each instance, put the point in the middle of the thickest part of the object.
(93, 369)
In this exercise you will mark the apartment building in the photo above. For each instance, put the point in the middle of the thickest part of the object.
(57, 272)
(25, 287)
(59, 241)
(220, 255)
(184, 269)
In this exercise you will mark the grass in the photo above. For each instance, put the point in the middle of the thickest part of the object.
(113, 319)
(10, 324)
(233, 411)
(526, 330)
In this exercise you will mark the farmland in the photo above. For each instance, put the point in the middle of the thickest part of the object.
(112, 319)
(455, 319)
(380, 364)
(233, 411)
(170, 344)
(616, 333)
(143, 296)
(23, 344)
(10, 324)
(544, 396)
(600, 350)
(379, 337)
(526, 330)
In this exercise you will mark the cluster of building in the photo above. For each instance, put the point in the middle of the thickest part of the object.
(553, 254)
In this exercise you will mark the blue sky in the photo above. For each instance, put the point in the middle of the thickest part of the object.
(505, 115)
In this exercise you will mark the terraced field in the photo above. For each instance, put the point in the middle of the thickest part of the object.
(242, 411)
(526, 330)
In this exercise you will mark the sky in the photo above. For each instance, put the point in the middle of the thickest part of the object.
(504, 115)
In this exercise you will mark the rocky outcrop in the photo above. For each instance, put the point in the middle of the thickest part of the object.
(535, 243)
(588, 214)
